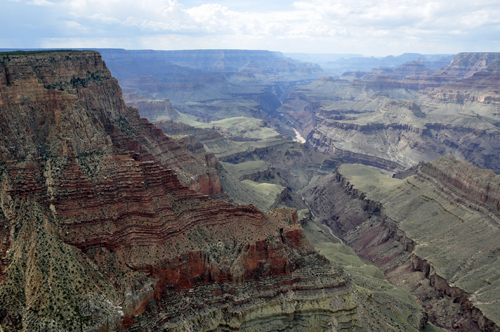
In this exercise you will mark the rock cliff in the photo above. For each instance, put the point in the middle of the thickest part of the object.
(210, 84)
(98, 232)
(402, 122)
(466, 64)
(481, 86)
(434, 233)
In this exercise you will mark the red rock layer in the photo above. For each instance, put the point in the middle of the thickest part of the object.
(69, 142)
(478, 188)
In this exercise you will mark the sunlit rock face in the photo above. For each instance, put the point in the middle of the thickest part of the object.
(394, 124)
(434, 233)
(100, 231)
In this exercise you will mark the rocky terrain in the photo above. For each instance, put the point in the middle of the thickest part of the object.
(106, 224)
(210, 84)
(434, 233)
(338, 64)
(393, 121)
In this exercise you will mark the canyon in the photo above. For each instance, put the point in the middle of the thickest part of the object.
(108, 223)
(393, 119)
(433, 233)
(399, 121)
(174, 196)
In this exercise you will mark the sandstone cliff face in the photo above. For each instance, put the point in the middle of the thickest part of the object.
(96, 228)
(434, 234)
(481, 86)
(466, 64)
(386, 122)
(153, 110)
(195, 168)
(402, 145)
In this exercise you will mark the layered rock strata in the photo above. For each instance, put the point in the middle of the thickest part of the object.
(98, 232)
(481, 86)
(381, 119)
(434, 233)
(153, 110)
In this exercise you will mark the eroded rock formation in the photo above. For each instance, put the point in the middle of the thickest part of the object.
(399, 123)
(434, 233)
(98, 231)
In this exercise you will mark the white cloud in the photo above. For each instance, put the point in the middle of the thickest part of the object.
(103, 18)
(41, 3)
(74, 25)
(363, 26)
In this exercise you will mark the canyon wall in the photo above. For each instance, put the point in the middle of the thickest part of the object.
(433, 233)
(401, 122)
(99, 230)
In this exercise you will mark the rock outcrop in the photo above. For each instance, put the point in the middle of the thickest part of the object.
(403, 122)
(434, 233)
(153, 110)
(98, 232)
(481, 86)
(209, 84)
(465, 65)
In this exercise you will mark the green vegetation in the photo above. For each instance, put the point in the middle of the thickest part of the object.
(403, 305)
(246, 168)
(90, 163)
(244, 127)
(221, 109)
(460, 243)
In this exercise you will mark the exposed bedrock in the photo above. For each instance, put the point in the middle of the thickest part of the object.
(384, 118)
(405, 145)
(98, 230)
(466, 64)
(152, 110)
(481, 87)
(434, 234)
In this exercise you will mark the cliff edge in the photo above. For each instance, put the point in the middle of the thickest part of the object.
(97, 230)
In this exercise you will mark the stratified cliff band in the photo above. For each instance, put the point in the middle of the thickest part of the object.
(99, 231)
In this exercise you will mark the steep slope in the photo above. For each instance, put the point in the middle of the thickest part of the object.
(210, 84)
(434, 233)
(466, 64)
(481, 86)
(390, 124)
(97, 231)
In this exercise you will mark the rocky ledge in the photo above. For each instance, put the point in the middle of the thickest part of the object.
(434, 233)
(97, 230)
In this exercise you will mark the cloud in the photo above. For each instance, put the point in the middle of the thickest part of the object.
(312, 18)
(364, 26)
(41, 3)
(104, 19)
(74, 25)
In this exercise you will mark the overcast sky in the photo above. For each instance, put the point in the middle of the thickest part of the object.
(368, 27)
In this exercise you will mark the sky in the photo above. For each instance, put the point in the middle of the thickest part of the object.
(367, 27)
